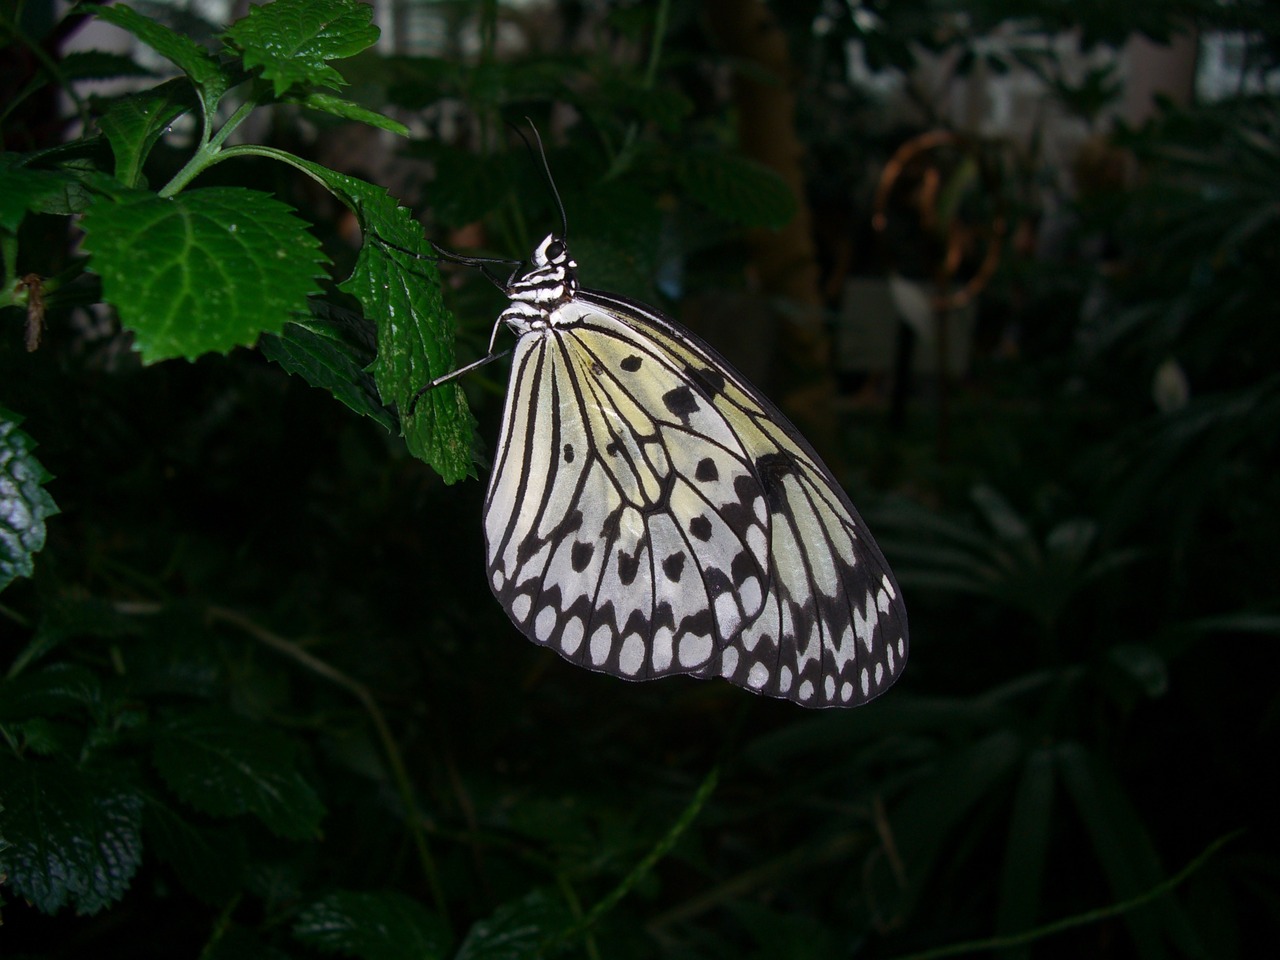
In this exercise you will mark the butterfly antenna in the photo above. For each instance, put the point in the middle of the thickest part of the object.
(551, 181)
(448, 256)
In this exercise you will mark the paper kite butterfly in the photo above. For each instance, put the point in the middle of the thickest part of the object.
(650, 513)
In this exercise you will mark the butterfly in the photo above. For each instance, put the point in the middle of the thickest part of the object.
(651, 513)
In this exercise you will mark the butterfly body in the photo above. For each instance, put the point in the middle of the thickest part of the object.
(650, 513)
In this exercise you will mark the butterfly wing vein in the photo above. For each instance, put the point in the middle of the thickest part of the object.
(650, 513)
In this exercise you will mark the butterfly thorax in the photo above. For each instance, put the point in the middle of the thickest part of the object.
(550, 282)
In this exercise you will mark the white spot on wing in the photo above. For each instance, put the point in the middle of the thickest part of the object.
(694, 650)
(888, 587)
(571, 636)
(784, 679)
(601, 641)
(631, 657)
(865, 626)
(499, 578)
(749, 592)
(879, 673)
(520, 607)
(662, 651)
(727, 615)
(846, 691)
(544, 623)
(728, 662)
(806, 690)
(866, 682)
(758, 676)
(829, 686)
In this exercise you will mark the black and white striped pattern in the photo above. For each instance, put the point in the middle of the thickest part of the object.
(650, 513)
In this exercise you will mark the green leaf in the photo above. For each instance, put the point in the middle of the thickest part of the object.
(71, 616)
(204, 271)
(177, 655)
(209, 861)
(133, 124)
(385, 925)
(395, 285)
(74, 834)
(24, 503)
(60, 689)
(327, 103)
(191, 58)
(73, 195)
(928, 815)
(1246, 621)
(415, 333)
(738, 189)
(77, 65)
(101, 65)
(291, 40)
(785, 934)
(1124, 849)
(622, 90)
(326, 353)
(225, 765)
(1003, 518)
(517, 930)
(45, 738)
(842, 733)
(237, 943)
(1030, 828)
(23, 189)
(1142, 666)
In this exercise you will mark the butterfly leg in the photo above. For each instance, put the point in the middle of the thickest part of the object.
(489, 357)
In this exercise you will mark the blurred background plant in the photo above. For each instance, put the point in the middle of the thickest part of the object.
(257, 699)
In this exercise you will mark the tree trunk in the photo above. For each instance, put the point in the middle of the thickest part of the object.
(785, 260)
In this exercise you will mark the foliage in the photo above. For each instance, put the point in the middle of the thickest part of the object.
(24, 503)
(193, 270)
(257, 700)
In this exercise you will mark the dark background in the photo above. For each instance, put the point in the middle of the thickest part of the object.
(1083, 515)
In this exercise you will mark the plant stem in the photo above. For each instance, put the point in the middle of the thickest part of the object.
(220, 926)
(1080, 919)
(641, 869)
(10, 26)
(210, 152)
(622, 159)
(357, 689)
(660, 19)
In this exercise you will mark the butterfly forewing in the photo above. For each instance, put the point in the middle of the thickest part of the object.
(650, 513)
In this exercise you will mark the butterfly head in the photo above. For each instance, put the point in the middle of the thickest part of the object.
(553, 252)
(550, 281)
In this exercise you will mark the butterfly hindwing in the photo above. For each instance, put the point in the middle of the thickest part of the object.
(650, 513)
(629, 550)
(833, 628)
